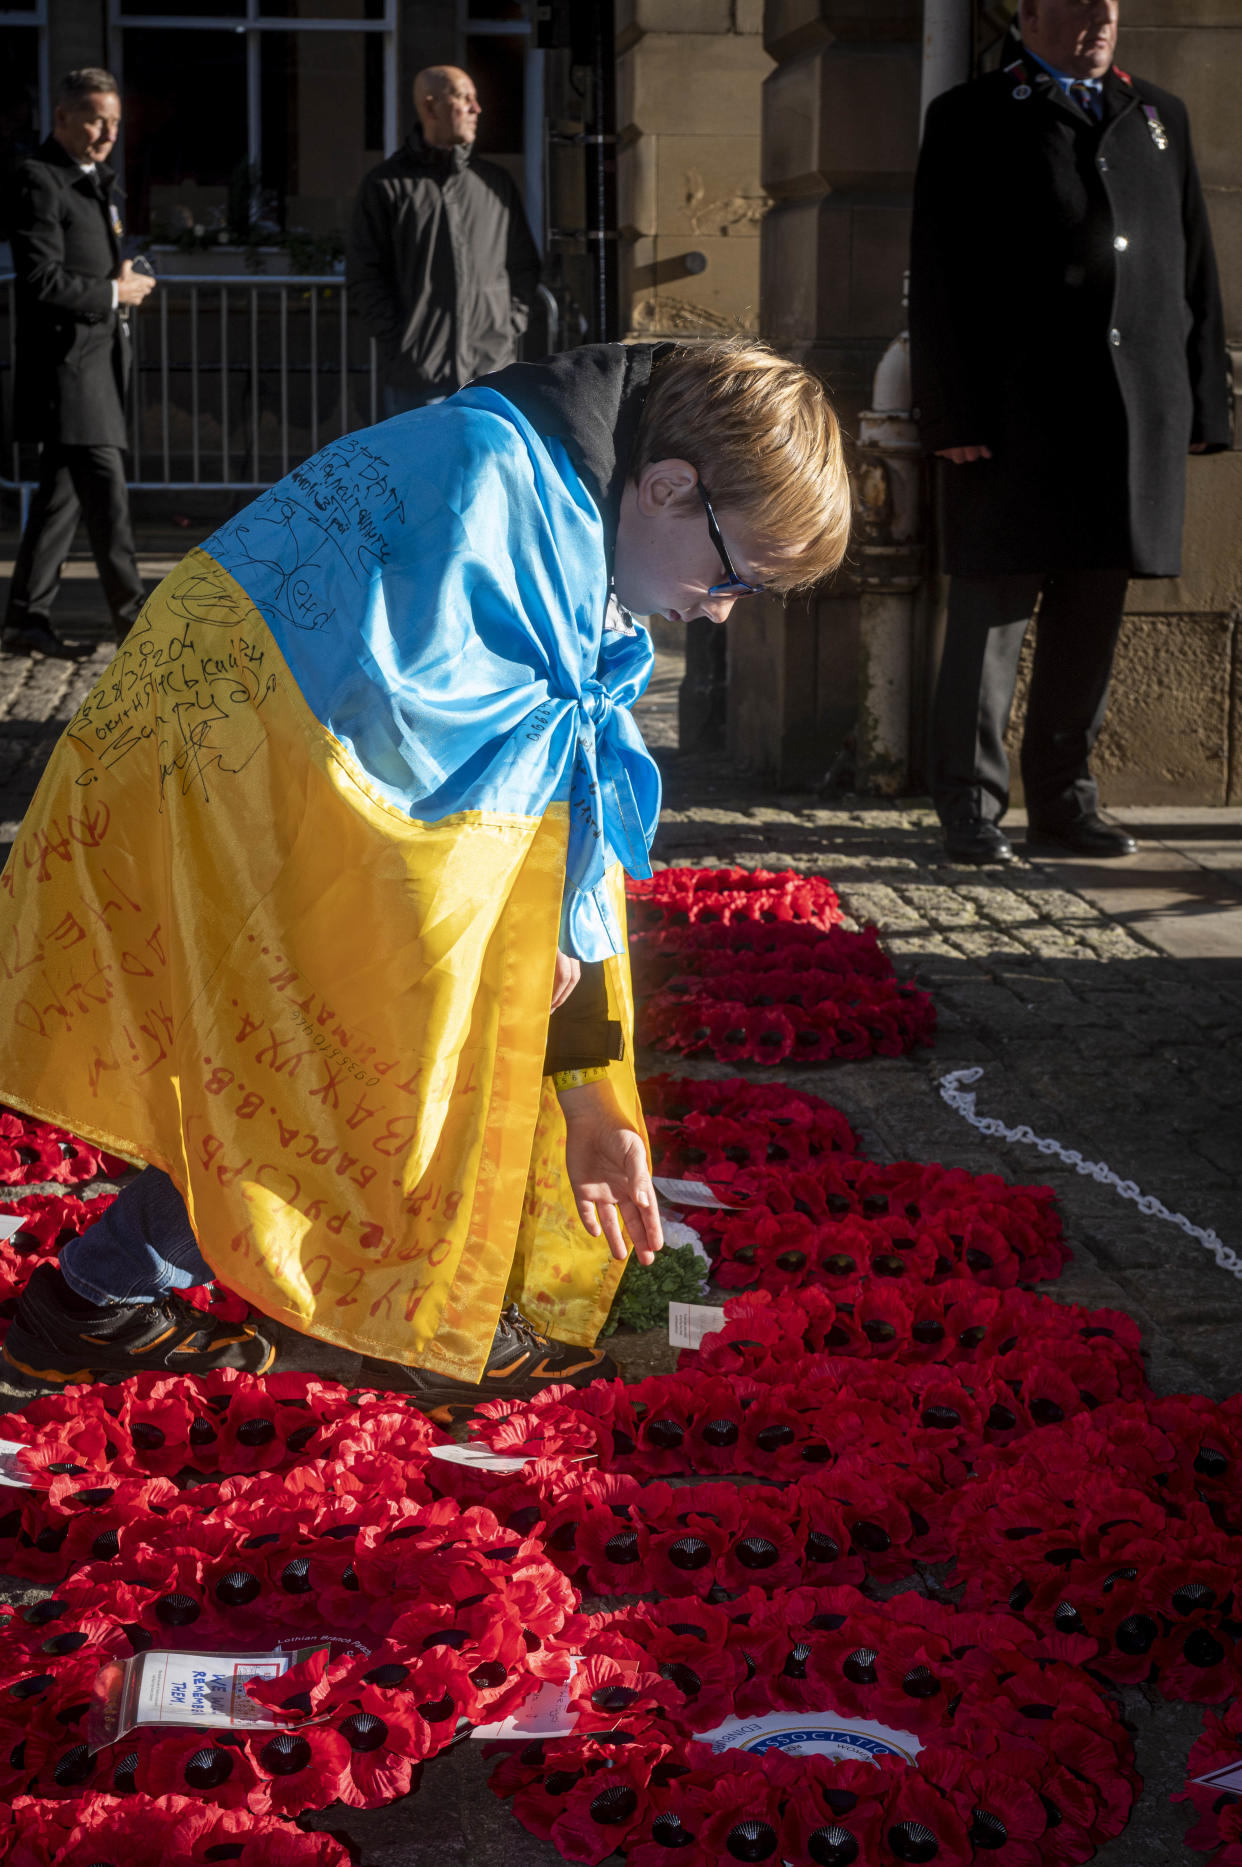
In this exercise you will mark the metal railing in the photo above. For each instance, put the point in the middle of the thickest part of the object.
(236, 378)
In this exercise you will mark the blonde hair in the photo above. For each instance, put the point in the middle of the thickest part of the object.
(765, 441)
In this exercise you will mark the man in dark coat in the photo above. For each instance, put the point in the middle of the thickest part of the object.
(441, 264)
(74, 296)
(1068, 350)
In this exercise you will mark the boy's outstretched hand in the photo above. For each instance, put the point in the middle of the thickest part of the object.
(607, 1166)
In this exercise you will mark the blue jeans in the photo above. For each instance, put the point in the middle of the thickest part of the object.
(141, 1248)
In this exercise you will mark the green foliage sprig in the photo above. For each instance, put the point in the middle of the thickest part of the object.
(645, 1292)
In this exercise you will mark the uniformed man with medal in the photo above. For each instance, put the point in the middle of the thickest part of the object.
(1068, 350)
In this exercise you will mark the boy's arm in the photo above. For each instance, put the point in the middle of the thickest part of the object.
(606, 1160)
(581, 1035)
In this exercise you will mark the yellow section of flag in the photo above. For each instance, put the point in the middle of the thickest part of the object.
(222, 952)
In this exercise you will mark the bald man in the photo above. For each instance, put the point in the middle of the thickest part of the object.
(441, 265)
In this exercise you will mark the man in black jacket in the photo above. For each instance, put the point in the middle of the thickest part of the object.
(1068, 350)
(441, 265)
(74, 296)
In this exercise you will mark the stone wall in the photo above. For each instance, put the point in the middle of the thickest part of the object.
(1172, 733)
(689, 83)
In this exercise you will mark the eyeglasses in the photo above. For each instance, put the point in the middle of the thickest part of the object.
(733, 585)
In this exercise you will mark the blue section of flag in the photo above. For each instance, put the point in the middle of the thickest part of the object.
(437, 586)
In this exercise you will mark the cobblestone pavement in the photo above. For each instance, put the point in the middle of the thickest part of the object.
(1104, 1004)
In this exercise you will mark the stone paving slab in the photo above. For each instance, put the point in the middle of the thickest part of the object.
(1098, 1006)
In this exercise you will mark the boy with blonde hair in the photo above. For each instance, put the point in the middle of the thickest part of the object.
(325, 877)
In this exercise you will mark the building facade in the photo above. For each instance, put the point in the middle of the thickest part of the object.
(690, 168)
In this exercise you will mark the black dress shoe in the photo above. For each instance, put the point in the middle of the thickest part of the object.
(1087, 835)
(977, 840)
(35, 638)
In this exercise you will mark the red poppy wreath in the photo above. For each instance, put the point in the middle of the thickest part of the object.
(34, 1152)
(869, 1515)
(1219, 1827)
(855, 1461)
(435, 1616)
(839, 1220)
(109, 1466)
(146, 1831)
(711, 1130)
(1121, 1532)
(725, 897)
(755, 966)
(819, 1726)
(785, 1337)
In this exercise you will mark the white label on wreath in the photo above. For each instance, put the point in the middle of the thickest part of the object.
(480, 1458)
(814, 1734)
(207, 1690)
(1228, 1777)
(12, 1472)
(545, 1713)
(689, 1193)
(10, 1226)
(688, 1323)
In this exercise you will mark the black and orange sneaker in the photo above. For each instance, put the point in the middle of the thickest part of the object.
(57, 1337)
(522, 1363)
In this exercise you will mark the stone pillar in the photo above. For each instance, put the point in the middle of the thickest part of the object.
(690, 204)
(840, 142)
(689, 76)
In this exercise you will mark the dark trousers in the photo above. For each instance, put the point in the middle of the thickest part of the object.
(92, 480)
(1079, 620)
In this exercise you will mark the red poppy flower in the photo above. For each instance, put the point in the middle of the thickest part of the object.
(829, 1805)
(201, 1763)
(707, 1679)
(304, 1768)
(677, 1833)
(606, 1693)
(33, 1831)
(201, 1835)
(748, 1826)
(387, 1743)
(917, 1813)
(763, 1549)
(130, 1828)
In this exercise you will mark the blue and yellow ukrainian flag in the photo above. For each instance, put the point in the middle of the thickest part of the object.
(283, 915)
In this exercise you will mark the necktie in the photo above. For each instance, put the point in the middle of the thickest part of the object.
(1086, 97)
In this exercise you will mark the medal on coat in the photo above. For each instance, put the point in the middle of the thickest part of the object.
(1021, 89)
(1159, 135)
(116, 219)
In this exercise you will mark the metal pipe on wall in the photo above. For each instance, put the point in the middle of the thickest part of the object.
(947, 34)
(601, 175)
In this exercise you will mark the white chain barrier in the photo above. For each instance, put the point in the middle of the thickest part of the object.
(962, 1101)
